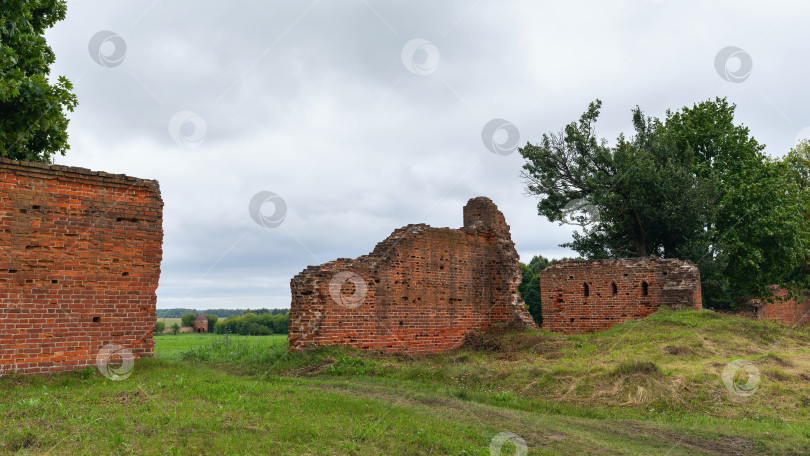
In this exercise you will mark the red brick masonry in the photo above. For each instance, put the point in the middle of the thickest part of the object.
(788, 311)
(420, 291)
(80, 256)
(617, 290)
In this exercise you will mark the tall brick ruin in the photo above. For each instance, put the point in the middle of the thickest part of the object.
(80, 255)
(421, 290)
(586, 296)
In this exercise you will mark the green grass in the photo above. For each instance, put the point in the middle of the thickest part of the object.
(647, 387)
(169, 346)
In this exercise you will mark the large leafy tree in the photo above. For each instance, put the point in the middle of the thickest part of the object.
(33, 122)
(796, 167)
(694, 185)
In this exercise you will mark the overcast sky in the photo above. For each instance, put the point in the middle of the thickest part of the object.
(360, 116)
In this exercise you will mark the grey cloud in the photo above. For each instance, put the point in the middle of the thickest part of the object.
(311, 100)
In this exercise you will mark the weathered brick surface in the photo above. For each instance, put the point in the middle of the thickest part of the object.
(421, 290)
(80, 256)
(566, 308)
(200, 324)
(790, 311)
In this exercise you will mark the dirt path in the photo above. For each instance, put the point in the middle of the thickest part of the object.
(559, 434)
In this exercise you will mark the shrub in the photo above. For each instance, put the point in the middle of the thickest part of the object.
(188, 319)
(160, 327)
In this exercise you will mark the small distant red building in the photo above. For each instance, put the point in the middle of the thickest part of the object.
(201, 324)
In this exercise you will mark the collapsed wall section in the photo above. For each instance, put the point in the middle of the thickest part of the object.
(421, 290)
(586, 296)
(79, 265)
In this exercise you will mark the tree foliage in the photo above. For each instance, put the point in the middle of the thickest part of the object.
(254, 325)
(188, 319)
(33, 122)
(529, 287)
(694, 186)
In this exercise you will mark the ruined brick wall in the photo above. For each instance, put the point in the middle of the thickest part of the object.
(790, 311)
(80, 256)
(420, 291)
(617, 291)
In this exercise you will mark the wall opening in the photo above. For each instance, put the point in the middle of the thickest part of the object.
(586, 289)
(645, 288)
(615, 288)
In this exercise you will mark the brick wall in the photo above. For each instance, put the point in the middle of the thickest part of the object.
(789, 311)
(617, 291)
(420, 291)
(80, 256)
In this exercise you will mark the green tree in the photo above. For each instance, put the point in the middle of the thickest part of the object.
(188, 319)
(529, 290)
(796, 167)
(33, 122)
(175, 328)
(694, 186)
(160, 327)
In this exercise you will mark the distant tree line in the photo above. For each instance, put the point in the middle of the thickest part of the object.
(250, 323)
(221, 313)
(254, 324)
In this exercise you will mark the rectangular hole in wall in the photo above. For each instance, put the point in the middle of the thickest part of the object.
(96, 319)
(54, 281)
(125, 274)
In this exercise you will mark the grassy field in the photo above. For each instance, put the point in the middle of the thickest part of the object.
(172, 347)
(648, 387)
(170, 321)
